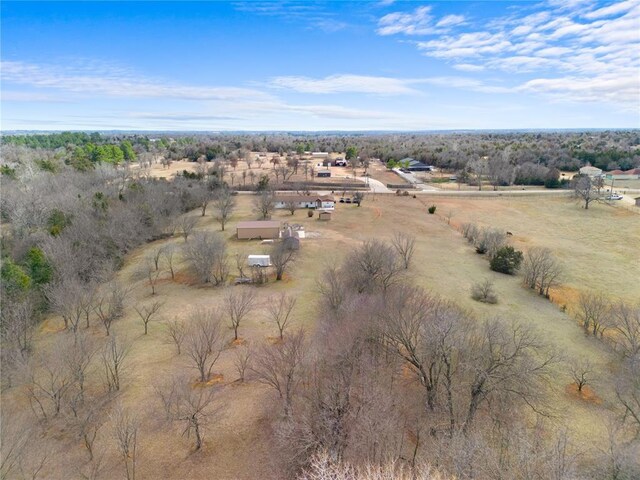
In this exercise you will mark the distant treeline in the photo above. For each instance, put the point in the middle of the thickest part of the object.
(607, 150)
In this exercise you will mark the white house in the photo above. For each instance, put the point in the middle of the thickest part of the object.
(591, 171)
(321, 202)
(319, 154)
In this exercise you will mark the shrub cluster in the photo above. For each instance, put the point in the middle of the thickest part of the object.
(506, 260)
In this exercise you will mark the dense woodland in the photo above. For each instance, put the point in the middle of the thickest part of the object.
(386, 359)
(607, 150)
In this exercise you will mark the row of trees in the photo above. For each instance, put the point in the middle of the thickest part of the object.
(521, 157)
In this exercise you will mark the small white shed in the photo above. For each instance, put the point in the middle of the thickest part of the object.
(259, 260)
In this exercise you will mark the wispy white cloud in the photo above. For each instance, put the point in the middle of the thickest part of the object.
(207, 105)
(451, 20)
(346, 84)
(18, 96)
(418, 22)
(569, 50)
(112, 81)
(468, 67)
(614, 9)
(465, 45)
(384, 85)
(312, 14)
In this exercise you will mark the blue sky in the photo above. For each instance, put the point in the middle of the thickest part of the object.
(282, 65)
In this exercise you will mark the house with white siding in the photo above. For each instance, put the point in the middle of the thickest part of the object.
(320, 202)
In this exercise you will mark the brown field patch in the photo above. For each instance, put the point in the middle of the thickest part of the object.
(214, 379)
(586, 395)
(184, 278)
(52, 325)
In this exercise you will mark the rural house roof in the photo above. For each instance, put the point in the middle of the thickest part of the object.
(304, 198)
(259, 224)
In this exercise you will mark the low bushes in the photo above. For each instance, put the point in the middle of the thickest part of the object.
(485, 240)
(483, 292)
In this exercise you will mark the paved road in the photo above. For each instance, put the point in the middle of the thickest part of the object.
(375, 186)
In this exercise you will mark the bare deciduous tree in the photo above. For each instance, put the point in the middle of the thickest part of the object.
(203, 196)
(65, 298)
(169, 253)
(278, 310)
(281, 366)
(88, 423)
(507, 361)
(186, 225)
(206, 254)
(628, 393)
(264, 203)
(224, 204)
(148, 270)
(155, 256)
(241, 361)
(594, 312)
(146, 313)
(189, 405)
(204, 340)
(581, 371)
(125, 433)
(404, 244)
(49, 380)
(241, 262)
(110, 305)
(500, 171)
(238, 304)
(113, 358)
(17, 319)
(175, 333)
(332, 288)
(484, 292)
(374, 265)
(583, 189)
(78, 354)
(291, 206)
(541, 270)
(281, 258)
(478, 167)
(626, 323)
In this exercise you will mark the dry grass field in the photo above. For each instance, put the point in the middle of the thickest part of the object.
(599, 249)
(376, 170)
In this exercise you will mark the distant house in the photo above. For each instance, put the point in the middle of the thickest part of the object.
(637, 201)
(258, 229)
(324, 202)
(324, 174)
(591, 171)
(319, 154)
(632, 174)
(414, 165)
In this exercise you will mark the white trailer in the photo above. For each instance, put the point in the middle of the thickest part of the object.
(259, 260)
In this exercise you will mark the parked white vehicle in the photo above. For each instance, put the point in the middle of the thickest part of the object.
(259, 260)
